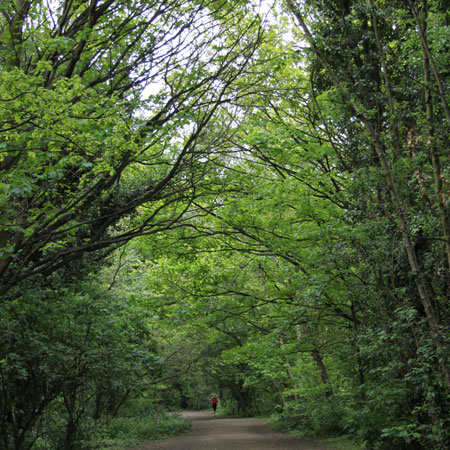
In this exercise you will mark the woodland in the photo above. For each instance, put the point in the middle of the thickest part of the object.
(231, 197)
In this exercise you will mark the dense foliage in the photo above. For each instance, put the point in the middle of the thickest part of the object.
(198, 200)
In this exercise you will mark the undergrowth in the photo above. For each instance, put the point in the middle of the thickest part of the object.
(124, 432)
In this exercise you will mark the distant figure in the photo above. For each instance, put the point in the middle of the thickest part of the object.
(214, 402)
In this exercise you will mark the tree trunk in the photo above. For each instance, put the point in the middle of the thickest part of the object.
(323, 372)
(431, 139)
(71, 426)
(280, 392)
(13, 33)
(400, 215)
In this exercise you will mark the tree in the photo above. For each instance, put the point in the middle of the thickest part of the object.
(104, 105)
(70, 356)
(375, 62)
(288, 193)
(365, 84)
(335, 198)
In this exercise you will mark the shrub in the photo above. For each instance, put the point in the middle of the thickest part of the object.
(128, 431)
(320, 417)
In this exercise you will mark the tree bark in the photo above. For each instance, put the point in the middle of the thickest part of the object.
(15, 39)
(323, 372)
(431, 138)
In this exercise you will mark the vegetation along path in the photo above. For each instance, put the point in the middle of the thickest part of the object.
(221, 433)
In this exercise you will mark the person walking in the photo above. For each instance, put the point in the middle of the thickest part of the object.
(214, 402)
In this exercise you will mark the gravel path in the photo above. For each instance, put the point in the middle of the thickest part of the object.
(220, 433)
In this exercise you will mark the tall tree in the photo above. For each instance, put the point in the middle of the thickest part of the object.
(362, 76)
(103, 106)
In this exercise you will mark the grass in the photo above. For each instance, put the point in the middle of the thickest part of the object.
(341, 443)
(125, 432)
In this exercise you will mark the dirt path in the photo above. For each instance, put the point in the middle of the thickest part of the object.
(220, 433)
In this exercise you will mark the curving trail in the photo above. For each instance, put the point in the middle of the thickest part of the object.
(220, 433)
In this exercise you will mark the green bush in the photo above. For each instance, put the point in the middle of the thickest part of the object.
(320, 417)
(128, 431)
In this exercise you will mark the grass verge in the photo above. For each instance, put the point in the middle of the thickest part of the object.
(341, 443)
(126, 432)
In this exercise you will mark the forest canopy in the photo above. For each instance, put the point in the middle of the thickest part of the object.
(239, 197)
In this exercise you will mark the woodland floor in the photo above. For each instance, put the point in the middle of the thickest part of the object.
(222, 433)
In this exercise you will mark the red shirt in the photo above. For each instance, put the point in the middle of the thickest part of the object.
(214, 401)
